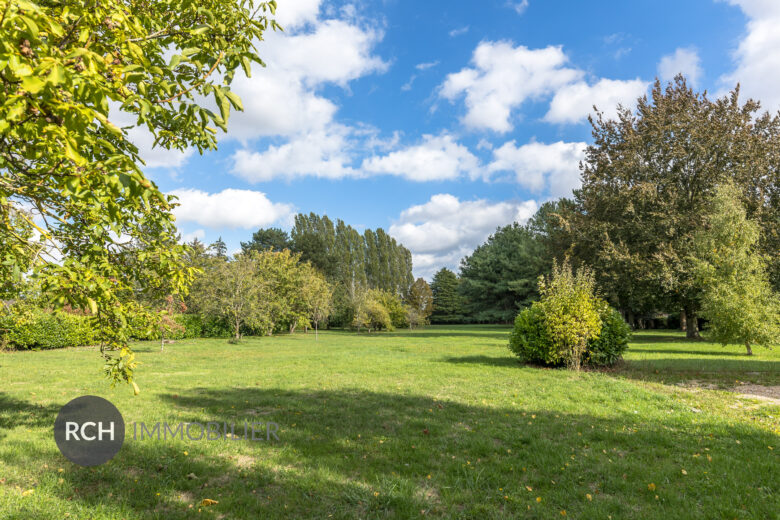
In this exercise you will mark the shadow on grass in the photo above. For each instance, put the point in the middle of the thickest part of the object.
(693, 351)
(19, 413)
(485, 360)
(362, 454)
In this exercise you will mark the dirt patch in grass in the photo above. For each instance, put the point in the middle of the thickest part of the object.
(770, 394)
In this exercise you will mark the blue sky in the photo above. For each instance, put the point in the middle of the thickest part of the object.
(441, 120)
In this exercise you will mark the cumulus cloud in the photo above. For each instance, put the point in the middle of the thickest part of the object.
(573, 103)
(502, 78)
(229, 208)
(553, 168)
(283, 101)
(445, 229)
(683, 60)
(320, 153)
(437, 158)
(757, 58)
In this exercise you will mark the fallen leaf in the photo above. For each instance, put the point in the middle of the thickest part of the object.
(208, 502)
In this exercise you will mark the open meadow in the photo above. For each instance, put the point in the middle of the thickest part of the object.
(440, 422)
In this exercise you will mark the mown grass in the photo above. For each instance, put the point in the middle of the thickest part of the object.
(439, 422)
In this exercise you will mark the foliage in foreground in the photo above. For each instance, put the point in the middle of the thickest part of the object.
(72, 74)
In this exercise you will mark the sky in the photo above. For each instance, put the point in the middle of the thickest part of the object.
(441, 120)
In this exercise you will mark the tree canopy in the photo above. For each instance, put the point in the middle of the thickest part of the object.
(69, 72)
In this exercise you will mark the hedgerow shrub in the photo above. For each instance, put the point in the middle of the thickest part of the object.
(22, 327)
(608, 348)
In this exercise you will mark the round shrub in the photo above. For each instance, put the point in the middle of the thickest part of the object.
(608, 348)
(529, 339)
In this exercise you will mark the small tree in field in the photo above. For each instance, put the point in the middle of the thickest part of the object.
(420, 300)
(571, 311)
(737, 298)
(234, 291)
(320, 300)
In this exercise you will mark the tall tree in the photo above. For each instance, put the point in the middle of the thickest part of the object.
(501, 275)
(67, 64)
(447, 304)
(647, 179)
(274, 239)
(737, 299)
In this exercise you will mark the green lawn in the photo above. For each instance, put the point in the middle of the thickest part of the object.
(439, 422)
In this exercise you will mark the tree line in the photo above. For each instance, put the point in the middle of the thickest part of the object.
(656, 183)
(321, 273)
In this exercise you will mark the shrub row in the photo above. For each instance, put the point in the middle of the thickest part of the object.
(29, 328)
(39, 329)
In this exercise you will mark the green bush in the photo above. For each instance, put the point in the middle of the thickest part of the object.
(530, 339)
(22, 327)
(608, 348)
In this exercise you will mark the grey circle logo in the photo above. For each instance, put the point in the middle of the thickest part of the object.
(89, 431)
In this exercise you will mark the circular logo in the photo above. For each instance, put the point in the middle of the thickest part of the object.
(89, 430)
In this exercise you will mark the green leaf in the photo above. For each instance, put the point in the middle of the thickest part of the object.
(57, 74)
(32, 84)
(223, 103)
(31, 25)
(234, 100)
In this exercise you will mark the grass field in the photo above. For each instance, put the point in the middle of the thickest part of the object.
(439, 422)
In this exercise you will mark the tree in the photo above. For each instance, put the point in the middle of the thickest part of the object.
(370, 313)
(737, 298)
(72, 67)
(420, 299)
(274, 239)
(500, 276)
(647, 180)
(232, 289)
(447, 304)
(219, 248)
(320, 299)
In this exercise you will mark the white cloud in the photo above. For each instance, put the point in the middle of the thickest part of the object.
(459, 31)
(294, 13)
(189, 237)
(757, 57)
(436, 158)
(282, 99)
(553, 168)
(445, 229)
(520, 7)
(320, 153)
(502, 78)
(684, 60)
(574, 102)
(230, 208)
(426, 65)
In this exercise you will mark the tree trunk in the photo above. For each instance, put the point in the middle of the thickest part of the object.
(315, 331)
(683, 320)
(749, 350)
(162, 341)
(692, 325)
(631, 322)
